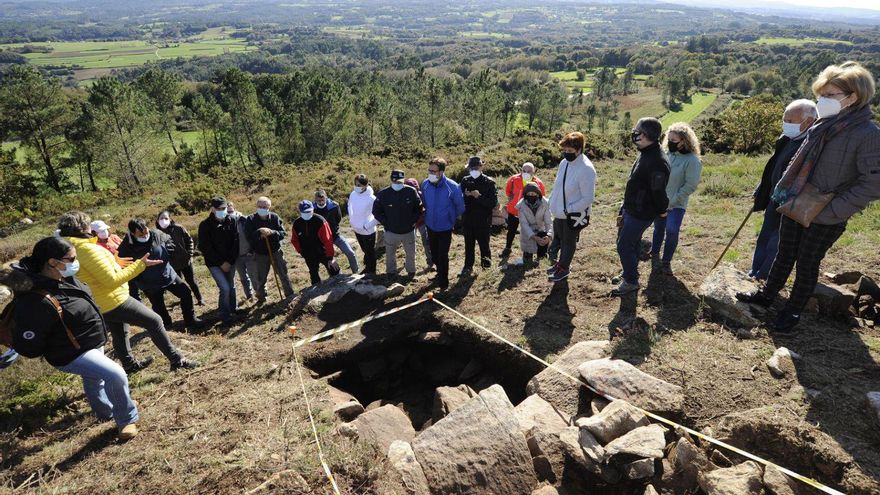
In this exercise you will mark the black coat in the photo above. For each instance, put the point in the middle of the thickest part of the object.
(161, 247)
(184, 248)
(272, 222)
(478, 211)
(38, 328)
(218, 240)
(645, 197)
(778, 162)
(398, 211)
(332, 213)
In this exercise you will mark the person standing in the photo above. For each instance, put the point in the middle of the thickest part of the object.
(331, 212)
(480, 198)
(535, 223)
(218, 242)
(156, 280)
(245, 264)
(685, 167)
(312, 238)
(184, 249)
(797, 119)
(106, 239)
(360, 216)
(444, 203)
(398, 208)
(107, 280)
(643, 201)
(839, 158)
(420, 224)
(514, 191)
(265, 231)
(571, 201)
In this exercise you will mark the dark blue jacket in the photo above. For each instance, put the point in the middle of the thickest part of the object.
(332, 214)
(160, 246)
(444, 203)
(272, 222)
(398, 211)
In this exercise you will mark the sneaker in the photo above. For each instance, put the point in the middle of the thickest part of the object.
(785, 322)
(466, 272)
(136, 365)
(666, 268)
(127, 432)
(560, 274)
(756, 297)
(552, 269)
(185, 363)
(505, 253)
(624, 288)
(485, 263)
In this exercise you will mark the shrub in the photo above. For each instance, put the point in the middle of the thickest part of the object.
(196, 196)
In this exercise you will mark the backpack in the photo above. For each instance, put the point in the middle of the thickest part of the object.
(7, 320)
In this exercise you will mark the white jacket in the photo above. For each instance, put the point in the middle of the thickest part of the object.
(580, 187)
(360, 211)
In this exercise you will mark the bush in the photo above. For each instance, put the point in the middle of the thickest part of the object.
(196, 196)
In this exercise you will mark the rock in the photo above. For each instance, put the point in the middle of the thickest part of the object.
(535, 412)
(834, 300)
(578, 443)
(719, 292)
(616, 420)
(548, 455)
(598, 404)
(448, 399)
(382, 426)
(373, 292)
(688, 460)
(636, 470)
(477, 448)
(845, 278)
(546, 490)
(867, 285)
(718, 457)
(347, 430)
(645, 441)
(403, 460)
(317, 303)
(347, 411)
(744, 479)
(649, 490)
(566, 395)
(5, 294)
(395, 290)
(435, 338)
(873, 399)
(776, 482)
(782, 362)
(624, 381)
(26, 221)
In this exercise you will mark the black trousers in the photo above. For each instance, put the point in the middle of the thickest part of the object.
(440, 243)
(512, 229)
(133, 312)
(179, 289)
(315, 263)
(473, 235)
(368, 246)
(805, 246)
(190, 277)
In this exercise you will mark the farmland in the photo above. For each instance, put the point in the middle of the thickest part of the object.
(800, 41)
(689, 111)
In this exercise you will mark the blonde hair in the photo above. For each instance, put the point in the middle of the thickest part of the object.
(686, 134)
(849, 77)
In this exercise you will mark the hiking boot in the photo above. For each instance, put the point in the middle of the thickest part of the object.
(785, 322)
(617, 279)
(466, 272)
(136, 365)
(552, 269)
(184, 363)
(505, 253)
(127, 432)
(666, 268)
(559, 275)
(624, 288)
(757, 297)
(485, 263)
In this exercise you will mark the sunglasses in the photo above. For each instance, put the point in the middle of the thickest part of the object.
(68, 258)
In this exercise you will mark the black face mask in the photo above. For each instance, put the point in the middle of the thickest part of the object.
(569, 156)
(635, 137)
(673, 147)
(532, 199)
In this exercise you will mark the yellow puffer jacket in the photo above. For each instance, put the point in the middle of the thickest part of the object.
(98, 268)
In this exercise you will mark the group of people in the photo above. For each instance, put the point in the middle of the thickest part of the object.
(74, 287)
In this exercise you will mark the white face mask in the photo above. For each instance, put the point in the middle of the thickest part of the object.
(360, 189)
(827, 107)
(164, 223)
(526, 176)
(475, 173)
(306, 216)
(397, 187)
(791, 130)
(433, 178)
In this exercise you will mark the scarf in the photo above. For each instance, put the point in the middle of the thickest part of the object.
(801, 167)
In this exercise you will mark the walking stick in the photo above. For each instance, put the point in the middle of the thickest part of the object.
(274, 269)
(743, 224)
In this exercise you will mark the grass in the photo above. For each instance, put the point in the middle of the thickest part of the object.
(799, 41)
(483, 34)
(569, 77)
(689, 111)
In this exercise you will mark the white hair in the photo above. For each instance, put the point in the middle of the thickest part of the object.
(529, 165)
(807, 108)
(264, 199)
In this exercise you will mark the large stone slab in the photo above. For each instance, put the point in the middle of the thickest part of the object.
(719, 290)
(777, 483)
(535, 412)
(646, 441)
(568, 396)
(622, 380)
(403, 460)
(744, 479)
(383, 425)
(834, 300)
(615, 420)
(448, 399)
(477, 448)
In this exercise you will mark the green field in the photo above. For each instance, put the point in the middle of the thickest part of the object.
(799, 41)
(689, 111)
(483, 34)
(569, 77)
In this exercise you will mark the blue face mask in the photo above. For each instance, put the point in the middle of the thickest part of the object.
(263, 212)
(220, 214)
(70, 269)
(306, 216)
(397, 187)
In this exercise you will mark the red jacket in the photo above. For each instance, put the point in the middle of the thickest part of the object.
(312, 238)
(515, 188)
(111, 243)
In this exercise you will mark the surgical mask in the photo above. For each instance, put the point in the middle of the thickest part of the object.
(827, 107)
(397, 187)
(70, 269)
(263, 212)
(569, 156)
(475, 173)
(220, 214)
(103, 234)
(433, 178)
(526, 176)
(791, 130)
(164, 223)
(143, 239)
(306, 216)
(360, 189)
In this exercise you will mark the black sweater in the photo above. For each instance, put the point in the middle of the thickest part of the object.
(184, 248)
(218, 240)
(776, 165)
(645, 196)
(398, 211)
(272, 222)
(478, 211)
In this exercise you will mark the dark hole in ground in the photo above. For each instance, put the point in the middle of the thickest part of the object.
(407, 370)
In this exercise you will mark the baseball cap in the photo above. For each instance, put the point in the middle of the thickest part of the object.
(397, 175)
(474, 162)
(306, 206)
(99, 225)
(218, 202)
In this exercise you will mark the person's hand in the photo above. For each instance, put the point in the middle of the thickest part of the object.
(475, 193)
(226, 267)
(147, 261)
(664, 214)
(124, 262)
(619, 221)
(264, 232)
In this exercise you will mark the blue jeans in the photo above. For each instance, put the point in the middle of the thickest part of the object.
(7, 358)
(105, 385)
(628, 245)
(226, 283)
(767, 245)
(668, 227)
(346, 249)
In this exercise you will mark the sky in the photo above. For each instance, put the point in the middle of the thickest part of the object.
(855, 4)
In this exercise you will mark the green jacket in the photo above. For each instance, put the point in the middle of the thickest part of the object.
(684, 176)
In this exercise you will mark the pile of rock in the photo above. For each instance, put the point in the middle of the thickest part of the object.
(333, 290)
(851, 294)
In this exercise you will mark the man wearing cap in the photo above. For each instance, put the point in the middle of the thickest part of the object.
(312, 238)
(398, 208)
(218, 242)
(443, 205)
(514, 191)
(265, 230)
(480, 198)
(331, 212)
